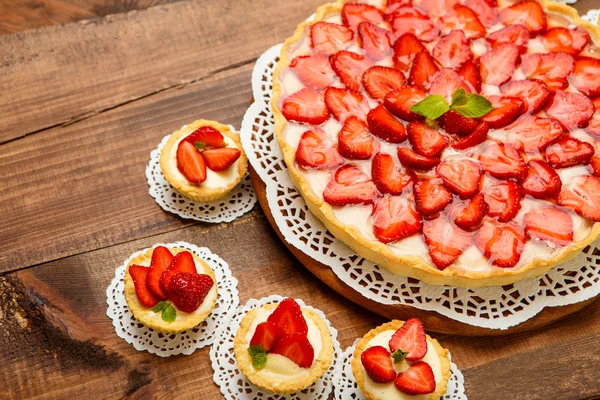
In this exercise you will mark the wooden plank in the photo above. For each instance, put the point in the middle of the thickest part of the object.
(65, 73)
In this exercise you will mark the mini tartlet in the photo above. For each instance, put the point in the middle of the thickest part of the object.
(277, 329)
(204, 170)
(421, 371)
(148, 300)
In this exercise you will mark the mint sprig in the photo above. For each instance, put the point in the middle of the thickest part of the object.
(169, 313)
(471, 105)
(399, 356)
(259, 356)
(432, 107)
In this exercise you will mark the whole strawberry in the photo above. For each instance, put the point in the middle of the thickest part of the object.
(187, 290)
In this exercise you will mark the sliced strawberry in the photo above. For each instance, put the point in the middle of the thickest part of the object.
(437, 8)
(469, 214)
(355, 141)
(422, 71)
(413, 160)
(552, 69)
(417, 379)
(190, 162)
(528, 13)
(586, 76)
(431, 196)
(445, 241)
(297, 348)
(593, 127)
(349, 185)
(478, 136)
(506, 110)
(457, 124)
(469, 72)
(517, 35)
(328, 38)
(267, 334)
(486, 11)
(389, 177)
(317, 150)
(498, 65)
(207, 136)
(568, 152)
(405, 49)
(350, 67)
(452, 50)
(343, 103)
(532, 134)
(564, 40)
(549, 223)
(464, 19)
(161, 259)
(288, 316)
(541, 182)
(385, 126)
(501, 243)
(504, 200)
(572, 110)
(426, 141)
(306, 106)
(446, 82)
(375, 41)
(139, 275)
(377, 362)
(314, 71)
(182, 262)
(533, 93)
(411, 339)
(595, 165)
(502, 162)
(400, 101)
(355, 13)
(379, 81)
(411, 21)
(395, 218)
(583, 196)
(220, 159)
(462, 177)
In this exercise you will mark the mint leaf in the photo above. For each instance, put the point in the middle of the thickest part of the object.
(169, 314)
(160, 307)
(470, 105)
(259, 356)
(459, 96)
(399, 356)
(432, 107)
(199, 145)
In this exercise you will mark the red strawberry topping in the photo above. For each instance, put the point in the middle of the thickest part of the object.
(533, 93)
(552, 69)
(593, 127)
(349, 185)
(314, 71)
(568, 152)
(504, 200)
(445, 241)
(426, 141)
(437, 8)
(417, 379)
(207, 136)
(316, 150)
(375, 41)
(572, 110)
(502, 162)
(379, 81)
(517, 35)
(267, 334)
(385, 126)
(549, 223)
(388, 177)
(138, 274)
(350, 67)
(431, 196)
(501, 243)
(188, 290)
(400, 101)
(377, 362)
(457, 124)
(220, 159)
(161, 259)
(411, 21)
(413, 160)
(343, 103)
(182, 262)
(446, 82)
(478, 136)
(506, 110)
(288, 316)
(469, 72)
(395, 218)
(462, 177)
(470, 213)
(405, 49)
(532, 134)
(422, 71)
(190, 162)
(355, 13)
(297, 348)
(586, 76)
(528, 13)
(411, 339)
(564, 40)
(306, 106)
(464, 19)
(328, 38)
(355, 141)
(485, 9)
(583, 196)
(452, 50)
(541, 182)
(498, 65)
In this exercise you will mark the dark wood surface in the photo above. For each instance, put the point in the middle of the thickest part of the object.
(81, 107)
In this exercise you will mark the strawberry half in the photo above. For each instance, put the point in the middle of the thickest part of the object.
(355, 13)
(208, 136)
(446, 82)
(411, 339)
(452, 50)
(498, 65)
(288, 316)
(533, 93)
(417, 379)
(305, 106)
(517, 35)
(182, 262)
(161, 259)
(422, 71)
(395, 218)
(385, 126)
(501, 243)
(552, 69)
(328, 38)
(379, 81)
(297, 348)
(470, 213)
(409, 20)
(549, 223)
(469, 72)
(528, 13)
(187, 290)
(220, 159)
(190, 162)
(413, 160)
(583, 196)
(532, 134)
(568, 152)
(431, 196)
(389, 177)
(565, 40)
(502, 162)
(314, 71)
(343, 103)
(316, 150)
(138, 274)
(504, 200)
(478, 136)
(506, 110)
(486, 11)
(375, 41)
(426, 141)
(541, 182)
(377, 362)
(445, 241)
(400, 101)
(267, 334)
(464, 19)
(572, 110)
(349, 185)
(350, 67)
(457, 124)
(405, 49)
(355, 141)
(462, 177)
(586, 76)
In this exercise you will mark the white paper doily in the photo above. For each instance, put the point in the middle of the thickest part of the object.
(186, 342)
(489, 307)
(237, 203)
(592, 16)
(347, 389)
(231, 381)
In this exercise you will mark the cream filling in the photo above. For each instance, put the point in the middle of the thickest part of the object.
(388, 391)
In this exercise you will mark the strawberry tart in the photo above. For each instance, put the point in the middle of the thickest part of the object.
(452, 141)
(282, 347)
(397, 360)
(170, 289)
(204, 160)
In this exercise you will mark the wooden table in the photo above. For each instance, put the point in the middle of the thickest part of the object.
(81, 107)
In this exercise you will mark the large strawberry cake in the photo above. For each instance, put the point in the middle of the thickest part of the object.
(452, 141)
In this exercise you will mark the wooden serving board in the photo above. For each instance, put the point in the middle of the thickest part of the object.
(432, 320)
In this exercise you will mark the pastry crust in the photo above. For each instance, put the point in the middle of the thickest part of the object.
(317, 369)
(184, 320)
(197, 192)
(379, 253)
(358, 371)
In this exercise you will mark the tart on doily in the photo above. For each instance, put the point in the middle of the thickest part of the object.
(397, 360)
(452, 141)
(170, 290)
(283, 348)
(204, 160)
